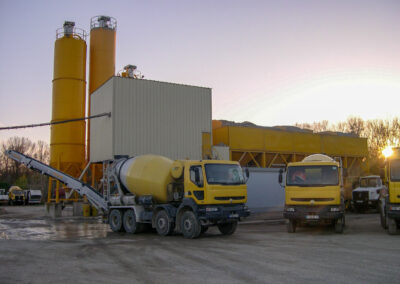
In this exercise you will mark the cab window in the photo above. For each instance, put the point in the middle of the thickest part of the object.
(196, 175)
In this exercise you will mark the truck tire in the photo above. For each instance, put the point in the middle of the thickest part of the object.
(339, 225)
(227, 228)
(163, 223)
(291, 226)
(115, 220)
(391, 225)
(129, 222)
(190, 225)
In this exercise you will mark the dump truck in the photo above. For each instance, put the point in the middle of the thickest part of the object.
(389, 199)
(183, 195)
(366, 195)
(314, 192)
(16, 196)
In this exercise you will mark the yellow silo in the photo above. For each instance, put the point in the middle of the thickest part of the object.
(102, 55)
(67, 142)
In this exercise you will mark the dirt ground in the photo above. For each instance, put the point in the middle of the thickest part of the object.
(36, 249)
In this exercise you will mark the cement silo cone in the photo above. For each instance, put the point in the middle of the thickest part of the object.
(102, 51)
(67, 142)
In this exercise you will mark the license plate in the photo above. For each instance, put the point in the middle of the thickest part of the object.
(360, 201)
(312, 217)
(234, 216)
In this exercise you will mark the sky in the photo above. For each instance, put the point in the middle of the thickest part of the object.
(268, 62)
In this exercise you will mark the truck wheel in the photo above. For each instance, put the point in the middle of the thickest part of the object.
(190, 225)
(129, 222)
(164, 226)
(227, 228)
(291, 226)
(339, 225)
(115, 220)
(391, 225)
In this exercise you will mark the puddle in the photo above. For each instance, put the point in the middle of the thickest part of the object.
(48, 229)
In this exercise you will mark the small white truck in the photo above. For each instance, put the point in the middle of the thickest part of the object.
(366, 195)
(3, 196)
(32, 196)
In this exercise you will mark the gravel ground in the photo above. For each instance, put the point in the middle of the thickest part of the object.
(36, 249)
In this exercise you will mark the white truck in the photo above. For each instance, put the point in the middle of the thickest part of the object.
(366, 195)
(3, 196)
(32, 196)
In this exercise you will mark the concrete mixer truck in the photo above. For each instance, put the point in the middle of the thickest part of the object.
(183, 195)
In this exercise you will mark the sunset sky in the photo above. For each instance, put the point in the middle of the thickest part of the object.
(268, 62)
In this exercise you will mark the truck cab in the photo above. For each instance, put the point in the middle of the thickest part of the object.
(15, 195)
(314, 192)
(389, 199)
(366, 195)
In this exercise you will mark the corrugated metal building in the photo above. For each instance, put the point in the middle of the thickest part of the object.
(148, 116)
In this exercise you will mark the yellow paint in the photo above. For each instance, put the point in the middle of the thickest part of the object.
(248, 139)
(332, 192)
(101, 62)
(67, 142)
(393, 186)
(86, 210)
(206, 145)
(151, 174)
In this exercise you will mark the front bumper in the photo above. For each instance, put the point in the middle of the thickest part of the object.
(217, 213)
(365, 203)
(395, 214)
(313, 213)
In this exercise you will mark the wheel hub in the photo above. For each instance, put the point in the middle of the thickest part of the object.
(187, 225)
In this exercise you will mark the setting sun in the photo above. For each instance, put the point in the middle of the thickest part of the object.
(388, 151)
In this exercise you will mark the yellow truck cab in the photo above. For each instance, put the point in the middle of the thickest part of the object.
(389, 199)
(15, 195)
(314, 192)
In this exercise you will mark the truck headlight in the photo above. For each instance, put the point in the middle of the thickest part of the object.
(211, 209)
(394, 208)
(290, 209)
(335, 209)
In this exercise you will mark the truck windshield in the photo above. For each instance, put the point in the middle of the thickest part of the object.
(395, 170)
(369, 182)
(17, 192)
(312, 175)
(224, 174)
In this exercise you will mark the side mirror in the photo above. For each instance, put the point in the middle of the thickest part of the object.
(280, 179)
(247, 173)
(345, 172)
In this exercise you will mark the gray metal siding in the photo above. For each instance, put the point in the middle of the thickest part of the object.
(150, 117)
(101, 132)
(160, 118)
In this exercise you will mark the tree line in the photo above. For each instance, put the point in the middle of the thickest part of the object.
(13, 173)
(379, 132)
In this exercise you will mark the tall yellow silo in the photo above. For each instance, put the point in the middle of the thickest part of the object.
(102, 55)
(67, 142)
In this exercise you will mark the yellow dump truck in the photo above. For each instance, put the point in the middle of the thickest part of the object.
(389, 200)
(16, 195)
(314, 192)
(183, 195)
